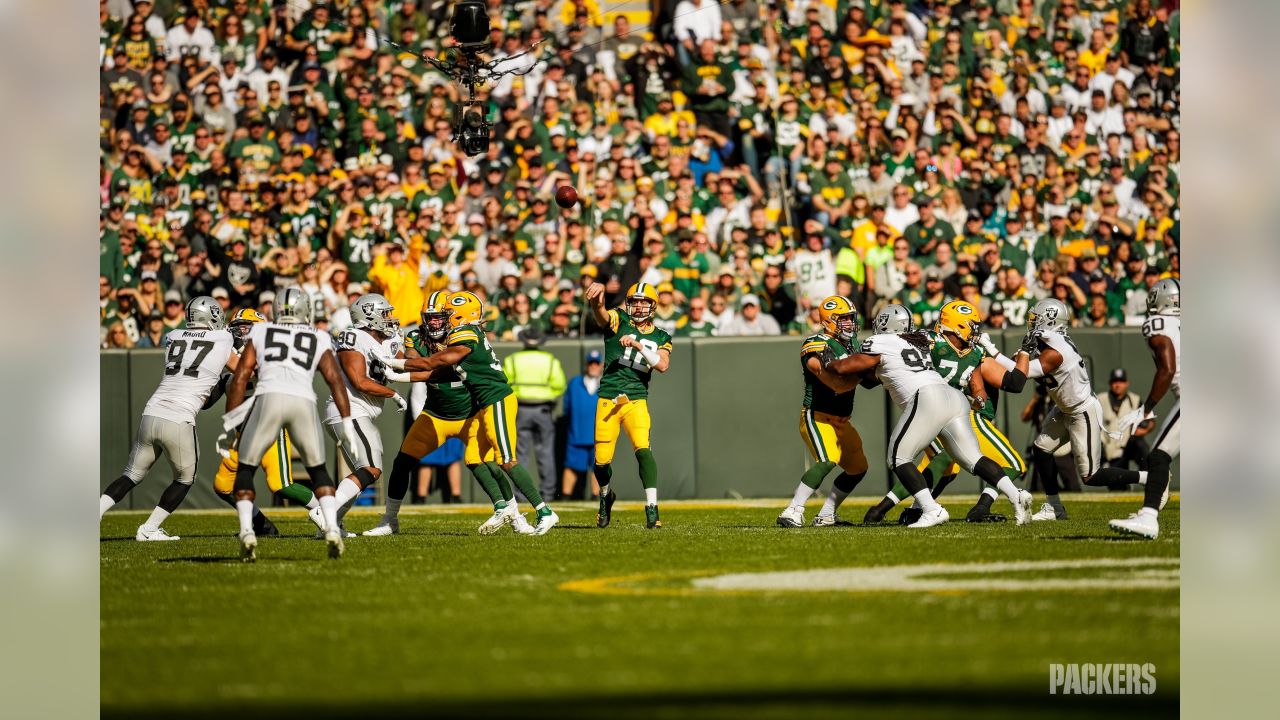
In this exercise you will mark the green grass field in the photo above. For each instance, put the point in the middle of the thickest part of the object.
(439, 621)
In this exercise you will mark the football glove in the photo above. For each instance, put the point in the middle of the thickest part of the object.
(223, 444)
(1130, 422)
(349, 433)
(400, 402)
(1031, 342)
(987, 345)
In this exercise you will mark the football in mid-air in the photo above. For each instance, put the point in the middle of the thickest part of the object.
(566, 196)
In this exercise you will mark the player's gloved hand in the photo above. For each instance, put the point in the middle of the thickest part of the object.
(987, 345)
(1031, 342)
(977, 403)
(827, 357)
(400, 402)
(223, 444)
(395, 376)
(349, 433)
(394, 363)
(1131, 421)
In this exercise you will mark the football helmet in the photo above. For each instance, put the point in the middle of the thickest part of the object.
(241, 322)
(435, 315)
(371, 311)
(839, 318)
(1163, 298)
(465, 309)
(1050, 315)
(205, 313)
(637, 296)
(292, 305)
(961, 318)
(893, 319)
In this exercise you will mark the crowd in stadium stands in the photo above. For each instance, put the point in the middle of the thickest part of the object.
(747, 158)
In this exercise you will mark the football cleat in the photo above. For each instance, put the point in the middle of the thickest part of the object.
(651, 521)
(832, 520)
(322, 535)
(875, 513)
(317, 518)
(1022, 508)
(545, 523)
(156, 534)
(520, 525)
(792, 517)
(263, 527)
(1144, 525)
(1048, 512)
(910, 515)
(929, 518)
(984, 517)
(605, 513)
(248, 546)
(384, 528)
(333, 539)
(498, 520)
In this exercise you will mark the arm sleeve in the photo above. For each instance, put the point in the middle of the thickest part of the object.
(1035, 370)
(1006, 363)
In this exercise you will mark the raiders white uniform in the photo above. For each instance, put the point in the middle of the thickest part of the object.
(1076, 416)
(1168, 437)
(194, 360)
(287, 359)
(364, 408)
(930, 407)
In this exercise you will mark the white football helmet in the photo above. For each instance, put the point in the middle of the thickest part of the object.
(292, 305)
(894, 319)
(1164, 298)
(204, 312)
(1050, 314)
(372, 312)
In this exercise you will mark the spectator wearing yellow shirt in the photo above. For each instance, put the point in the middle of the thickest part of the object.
(1094, 57)
(570, 10)
(667, 119)
(864, 233)
(397, 280)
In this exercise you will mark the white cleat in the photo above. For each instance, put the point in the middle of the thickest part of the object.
(792, 517)
(498, 520)
(1048, 512)
(153, 534)
(521, 526)
(322, 535)
(545, 523)
(831, 520)
(929, 518)
(1022, 508)
(1144, 525)
(333, 539)
(317, 518)
(248, 546)
(384, 528)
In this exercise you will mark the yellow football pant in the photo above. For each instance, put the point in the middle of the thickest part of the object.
(612, 417)
(429, 432)
(991, 441)
(831, 438)
(496, 430)
(275, 463)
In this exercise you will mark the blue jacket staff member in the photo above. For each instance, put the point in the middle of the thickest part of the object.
(538, 381)
(580, 413)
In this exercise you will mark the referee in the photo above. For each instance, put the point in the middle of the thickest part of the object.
(538, 381)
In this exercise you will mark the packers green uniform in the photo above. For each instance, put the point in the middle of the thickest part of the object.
(956, 368)
(817, 396)
(824, 421)
(480, 370)
(447, 396)
(626, 372)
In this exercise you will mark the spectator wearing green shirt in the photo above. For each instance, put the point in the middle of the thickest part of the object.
(685, 268)
(709, 83)
(928, 232)
(832, 193)
(695, 324)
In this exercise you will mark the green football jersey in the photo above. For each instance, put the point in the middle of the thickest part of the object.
(956, 368)
(626, 372)
(481, 370)
(447, 396)
(817, 396)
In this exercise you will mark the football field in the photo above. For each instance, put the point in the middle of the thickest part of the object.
(720, 611)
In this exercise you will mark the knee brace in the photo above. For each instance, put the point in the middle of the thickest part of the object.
(365, 477)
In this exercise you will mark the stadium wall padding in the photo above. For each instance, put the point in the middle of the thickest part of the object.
(725, 418)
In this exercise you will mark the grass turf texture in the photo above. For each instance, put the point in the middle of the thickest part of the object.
(440, 621)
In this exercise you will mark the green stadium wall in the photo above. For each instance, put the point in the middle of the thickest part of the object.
(725, 418)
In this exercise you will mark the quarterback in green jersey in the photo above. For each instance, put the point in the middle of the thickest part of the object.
(633, 348)
(493, 420)
(824, 421)
(958, 351)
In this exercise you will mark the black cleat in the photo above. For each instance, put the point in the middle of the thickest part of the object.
(605, 513)
(877, 512)
(651, 521)
(266, 528)
(910, 515)
(984, 517)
